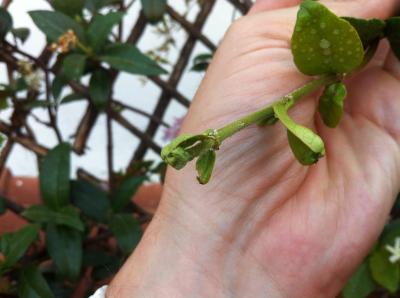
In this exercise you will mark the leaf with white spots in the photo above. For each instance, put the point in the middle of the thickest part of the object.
(323, 43)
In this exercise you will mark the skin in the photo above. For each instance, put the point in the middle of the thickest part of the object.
(265, 226)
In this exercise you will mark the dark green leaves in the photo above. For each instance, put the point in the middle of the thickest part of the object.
(204, 166)
(67, 216)
(361, 283)
(54, 177)
(6, 22)
(14, 245)
(384, 272)
(94, 5)
(307, 146)
(393, 34)
(127, 231)
(90, 199)
(65, 247)
(331, 104)
(128, 58)
(21, 33)
(323, 43)
(100, 28)
(368, 30)
(154, 9)
(201, 62)
(123, 195)
(54, 24)
(70, 7)
(100, 87)
(73, 66)
(31, 284)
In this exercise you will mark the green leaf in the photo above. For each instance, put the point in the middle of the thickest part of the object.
(360, 284)
(91, 200)
(100, 88)
(383, 271)
(307, 146)
(6, 22)
(54, 24)
(73, 66)
(393, 34)
(21, 33)
(331, 104)
(128, 58)
(69, 7)
(323, 43)
(154, 9)
(54, 177)
(65, 247)
(368, 30)
(201, 62)
(95, 5)
(125, 192)
(58, 85)
(204, 166)
(72, 97)
(127, 230)
(14, 245)
(101, 27)
(31, 284)
(67, 216)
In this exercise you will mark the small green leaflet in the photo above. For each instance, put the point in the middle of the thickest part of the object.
(331, 104)
(204, 166)
(323, 43)
(307, 146)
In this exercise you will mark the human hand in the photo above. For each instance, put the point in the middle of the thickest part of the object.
(265, 225)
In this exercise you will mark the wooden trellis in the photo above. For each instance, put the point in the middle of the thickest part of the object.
(19, 132)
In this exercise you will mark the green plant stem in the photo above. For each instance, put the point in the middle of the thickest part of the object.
(267, 113)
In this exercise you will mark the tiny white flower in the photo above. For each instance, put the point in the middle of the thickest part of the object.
(394, 250)
(34, 79)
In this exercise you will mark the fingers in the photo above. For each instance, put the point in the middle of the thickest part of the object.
(264, 5)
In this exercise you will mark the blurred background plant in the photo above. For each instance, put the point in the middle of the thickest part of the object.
(87, 110)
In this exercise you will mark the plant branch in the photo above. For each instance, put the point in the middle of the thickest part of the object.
(267, 113)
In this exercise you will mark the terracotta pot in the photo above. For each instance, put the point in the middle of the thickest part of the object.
(25, 191)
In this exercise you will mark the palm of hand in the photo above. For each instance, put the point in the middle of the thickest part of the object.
(293, 224)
